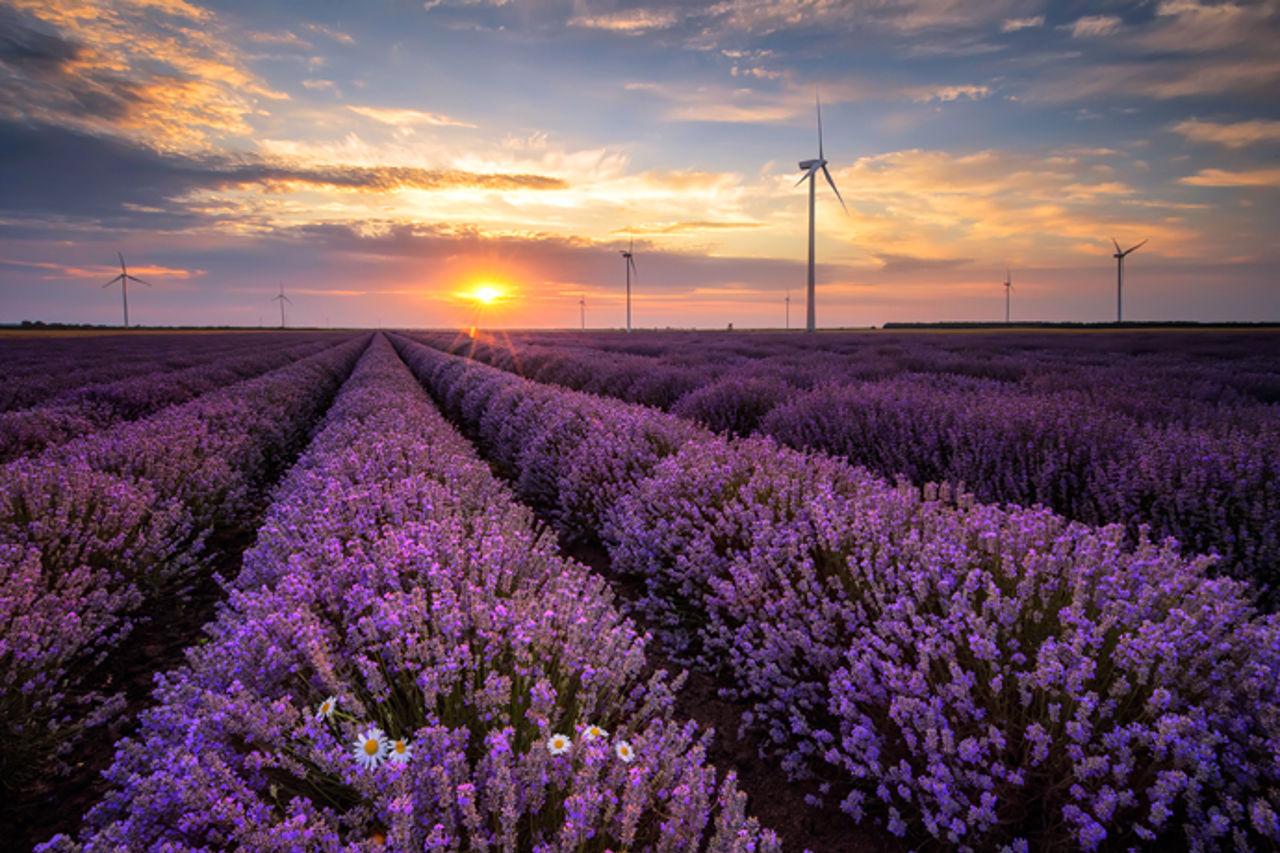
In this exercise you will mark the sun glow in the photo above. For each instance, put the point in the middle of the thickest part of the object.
(487, 294)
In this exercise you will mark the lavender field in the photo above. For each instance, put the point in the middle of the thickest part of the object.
(662, 591)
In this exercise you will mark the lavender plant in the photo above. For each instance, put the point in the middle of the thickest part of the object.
(968, 674)
(408, 661)
(95, 528)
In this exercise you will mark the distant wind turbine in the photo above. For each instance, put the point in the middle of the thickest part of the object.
(282, 299)
(629, 255)
(1008, 288)
(788, 302)
(811, 169)
(124, 278)
(582, 309)
(1120, 255)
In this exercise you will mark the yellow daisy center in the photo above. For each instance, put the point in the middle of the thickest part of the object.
(399, 747)
(371, 747)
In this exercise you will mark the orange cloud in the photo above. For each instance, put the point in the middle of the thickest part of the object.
(164, 72)
(1226, 178)
(402, 118)
(1230, 135)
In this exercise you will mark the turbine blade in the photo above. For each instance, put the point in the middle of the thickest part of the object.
(1139, 246)
(833, 187)
(817, 98)
(113, 281)
(635, 273)
(804, 177)
(1117, 245)
(287, 299)
(138, 280)
(121, 257)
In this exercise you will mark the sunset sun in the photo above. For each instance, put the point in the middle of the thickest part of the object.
(487, 294)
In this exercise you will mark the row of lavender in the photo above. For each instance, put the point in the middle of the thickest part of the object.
(97, 529)
(960, 672)
(37, 369)
(91, 408)
(1204, 473)
(407, 661)
(1222, 368)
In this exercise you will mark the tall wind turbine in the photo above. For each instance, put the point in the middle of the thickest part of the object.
(788, 301)
(1120, 255)
(1008, 288)
(582, 310)
(124, 278)
(811, 169)
(629, 255)
(282, 299)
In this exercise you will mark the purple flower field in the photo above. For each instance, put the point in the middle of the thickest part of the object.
(415, 591)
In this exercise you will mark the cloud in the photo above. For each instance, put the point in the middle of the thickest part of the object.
(1230, 135)
(686, 227)
(892, 264)
(1013, 25)
(368, 179)
(945, 94)
(402, 118)
(81, 177)
(1227, 178)
(1162, 79)
(330, 33)
(1043, 204)
(1094, 26)
(160, 70)
(718, 104)
(628, 22)
(55, 271)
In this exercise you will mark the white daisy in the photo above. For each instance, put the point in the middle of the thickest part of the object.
(371, 747)
(558, 744)
(624, 751)
(594, 732)
(327, 707)
(400, 751)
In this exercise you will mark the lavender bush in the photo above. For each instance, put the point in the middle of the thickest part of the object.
(1173, 442)
(92, 529)
(964, 673)
(408, 661)
(97, 406)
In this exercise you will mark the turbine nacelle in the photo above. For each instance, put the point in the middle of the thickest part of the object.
(812, 165)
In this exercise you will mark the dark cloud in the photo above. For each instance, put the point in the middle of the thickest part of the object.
(46, 170)
(25, 47)
(375, 179)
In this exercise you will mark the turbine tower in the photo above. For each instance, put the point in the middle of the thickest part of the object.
(1008, 288)
(282, 299)
(582, 309)
(788, 301)
(1120, 256)
(629, 255)
(124, 278)
(811, 169)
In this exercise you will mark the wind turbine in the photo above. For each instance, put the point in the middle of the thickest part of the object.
(1008, 288)
(1120, 255)
(282, 299)
(811, 169)
(629, 254)
(582, 310)
(788, 301)
(124, 278)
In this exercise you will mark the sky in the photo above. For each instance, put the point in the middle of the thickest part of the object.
(385, 161)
